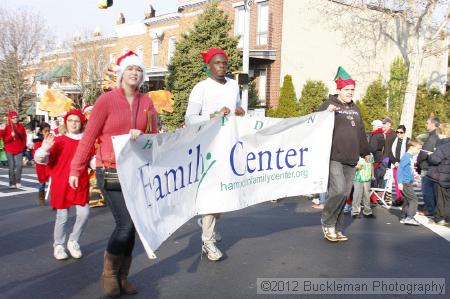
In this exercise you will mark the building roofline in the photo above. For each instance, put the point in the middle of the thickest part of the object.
(163, 18)
(191, 3)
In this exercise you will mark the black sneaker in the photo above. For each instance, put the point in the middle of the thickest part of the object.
(355, 216)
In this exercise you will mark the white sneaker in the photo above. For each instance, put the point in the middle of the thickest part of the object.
(19, 185)
(212, 252)
(12, 187)
(411, 221)
(60, 253)
(442, 222)
(402, 221)
(74, 249)
(329, 233)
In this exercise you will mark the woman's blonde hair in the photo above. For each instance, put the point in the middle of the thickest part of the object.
(413, 142)
(443, 129)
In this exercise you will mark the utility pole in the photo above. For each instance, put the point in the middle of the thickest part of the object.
(246, 51)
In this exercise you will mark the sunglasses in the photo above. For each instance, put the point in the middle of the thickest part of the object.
(400, 132)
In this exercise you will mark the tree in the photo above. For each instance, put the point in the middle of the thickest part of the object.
(210, 30)
(313, 94)
(253, 99)
(375, 100)
(409, 24)
(364, 115)
(21, 36)
(287, 103)
(430, 103)
(396, 89)
(89, 64)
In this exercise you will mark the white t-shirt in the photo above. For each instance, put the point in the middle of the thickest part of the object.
(209, 96)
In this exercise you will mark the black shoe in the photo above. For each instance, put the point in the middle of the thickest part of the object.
(369, 216)
(397, 204)
(355, 216)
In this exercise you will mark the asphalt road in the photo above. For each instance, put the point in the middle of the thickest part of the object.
(272, 240)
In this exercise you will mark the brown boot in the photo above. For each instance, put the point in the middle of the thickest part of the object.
(110, 275)
(126, 286)
(41, 197)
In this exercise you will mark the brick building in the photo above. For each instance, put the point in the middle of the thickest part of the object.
(154, 39)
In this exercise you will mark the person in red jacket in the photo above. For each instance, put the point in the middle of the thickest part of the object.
(41, 170)
(57, 153)
(15, 139)
(120, 111)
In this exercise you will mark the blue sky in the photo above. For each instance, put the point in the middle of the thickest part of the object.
(65, 17)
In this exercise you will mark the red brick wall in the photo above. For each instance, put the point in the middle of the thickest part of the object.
(273, 43)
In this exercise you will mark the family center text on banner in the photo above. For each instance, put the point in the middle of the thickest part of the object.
(222, 165)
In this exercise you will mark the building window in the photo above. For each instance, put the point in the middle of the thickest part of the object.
(239, 24)
(155, 50)
(263, 23)
(171, 48)
(140, 52)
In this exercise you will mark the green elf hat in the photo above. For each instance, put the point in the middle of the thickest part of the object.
(342, 78)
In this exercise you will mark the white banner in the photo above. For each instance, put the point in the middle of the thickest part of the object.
(219, 166)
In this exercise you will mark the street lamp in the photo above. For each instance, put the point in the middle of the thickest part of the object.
(246, 51)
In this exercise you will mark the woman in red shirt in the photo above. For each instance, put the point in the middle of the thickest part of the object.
(123, 110)
(15, 139)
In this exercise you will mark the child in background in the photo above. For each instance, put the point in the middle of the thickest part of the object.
(361, 185)
(41, 170)
(58, 153)
(3, 157)
(405, 177)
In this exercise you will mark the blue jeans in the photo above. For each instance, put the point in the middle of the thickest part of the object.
(15, 168)
(339, 188)
(121, 241)
(41, 187)
(429, 197)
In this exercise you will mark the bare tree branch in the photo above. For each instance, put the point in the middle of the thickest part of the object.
(22, 32)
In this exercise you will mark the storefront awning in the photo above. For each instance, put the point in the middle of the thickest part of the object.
(63, 70)
(44, 76)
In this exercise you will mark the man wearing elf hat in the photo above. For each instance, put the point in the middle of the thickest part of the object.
(348, 144)
(215, 96)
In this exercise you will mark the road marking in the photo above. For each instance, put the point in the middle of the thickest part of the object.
(30, 174)
(22, 190)
(22, 179)
(29, 178)
(442, 231)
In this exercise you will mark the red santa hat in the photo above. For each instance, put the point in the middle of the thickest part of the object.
(126, 60)
(87, 109)
(207, 56)
(11, 115)
(76, 112)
